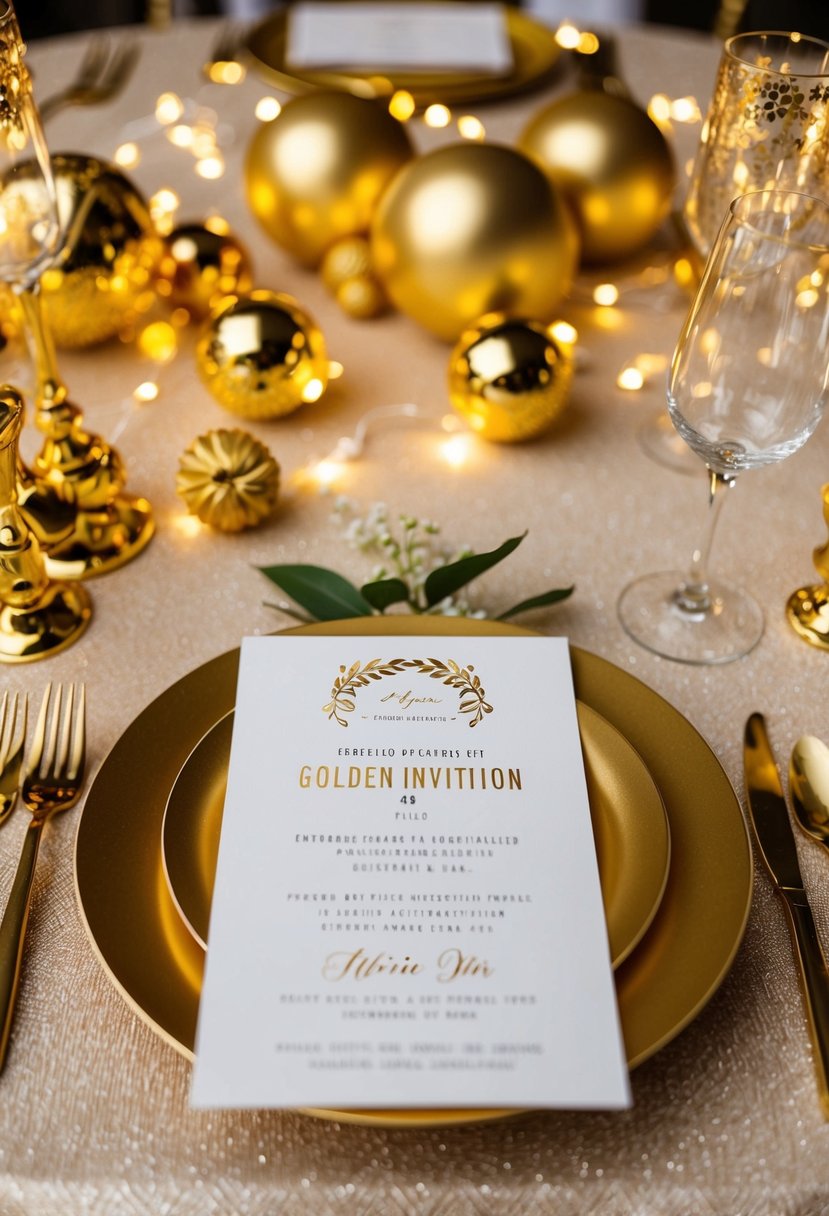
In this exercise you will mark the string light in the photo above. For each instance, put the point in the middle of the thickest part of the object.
(470, 127)
(606, 294)
(630, 379)
(564, 332)
(456, 451)
(145, 392)
(638, 371)
(168, 108)
(211, 167)
(402, 105)
(158, 341)
(437, 115)
(567, 36)
(267, 109)
(226, 71)
(127, 155)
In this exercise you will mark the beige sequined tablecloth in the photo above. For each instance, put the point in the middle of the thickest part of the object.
(94, 1113)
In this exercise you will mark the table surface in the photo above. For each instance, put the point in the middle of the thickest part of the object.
(94, 1110)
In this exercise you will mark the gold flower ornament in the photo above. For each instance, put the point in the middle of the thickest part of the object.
(228, 479)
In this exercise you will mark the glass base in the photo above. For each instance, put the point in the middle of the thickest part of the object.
(651, 615)
(659, 439)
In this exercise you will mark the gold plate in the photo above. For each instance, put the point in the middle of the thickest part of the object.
(629, 823)
(535, 54)
(155, 963)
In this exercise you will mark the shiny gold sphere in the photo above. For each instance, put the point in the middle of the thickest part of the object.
(472, 228)
(347, 259)
(315, 173)
(509, 379)
(262, 356)
(613, 165)
(201, 265)
(107, 267)
(228, 479)
(361, 297)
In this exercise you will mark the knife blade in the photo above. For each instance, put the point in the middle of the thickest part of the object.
(775, 837)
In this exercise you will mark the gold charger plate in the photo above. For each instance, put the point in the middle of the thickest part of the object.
(535, 54)
(141, 941)
(629, 824)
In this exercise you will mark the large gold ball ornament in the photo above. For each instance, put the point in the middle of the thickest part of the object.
(613, 165)
(469, 229)
(228, 479)
(200, 266)
(509, 378)
(262, 356)
(314, 174)
(110, 255)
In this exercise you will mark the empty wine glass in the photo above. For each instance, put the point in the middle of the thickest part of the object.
(748, 384)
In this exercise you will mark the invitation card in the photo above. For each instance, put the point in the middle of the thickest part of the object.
(407, 910)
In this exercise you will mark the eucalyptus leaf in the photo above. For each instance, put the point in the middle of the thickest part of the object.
(384, 592)
(326, 595)
(446, 580)
(537, 601)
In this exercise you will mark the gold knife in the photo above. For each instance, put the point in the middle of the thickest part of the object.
(773, 830)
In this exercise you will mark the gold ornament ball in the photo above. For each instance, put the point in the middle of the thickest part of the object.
(107, 266)
(361, 297)
(469, 229)
(314, 174)
(262, 356)
(200, 266)
(613, 165)
(347, 259)
(228, 479)
(509, 379)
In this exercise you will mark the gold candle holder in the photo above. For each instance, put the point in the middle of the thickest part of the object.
(808, 608)
(38, 617)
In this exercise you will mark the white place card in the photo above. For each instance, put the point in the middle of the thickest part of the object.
(407, 910)
(419, 37)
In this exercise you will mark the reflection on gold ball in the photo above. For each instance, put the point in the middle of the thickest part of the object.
(472, 228)
(315, 173)
(347, 259)
(228, 479)
(361, 297)
(613, 165)
(262, 356)
(200, 266)
(509, 379)
(110, 256)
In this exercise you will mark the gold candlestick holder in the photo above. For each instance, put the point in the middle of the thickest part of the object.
(808, 608)
(38, 617)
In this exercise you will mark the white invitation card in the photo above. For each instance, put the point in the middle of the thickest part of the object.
(407, 910)
(425, 37)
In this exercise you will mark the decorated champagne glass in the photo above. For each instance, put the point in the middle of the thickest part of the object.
(748, 384)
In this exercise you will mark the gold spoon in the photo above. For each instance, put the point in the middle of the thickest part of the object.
(809, 787)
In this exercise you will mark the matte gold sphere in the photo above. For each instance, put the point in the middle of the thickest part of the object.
(262, 356)
(509, 379)
(228, 479)
(472, 228)
(110, 255)
(347, 259)
(315, 173)
(361, 297)
(613, 165)
(200, 266)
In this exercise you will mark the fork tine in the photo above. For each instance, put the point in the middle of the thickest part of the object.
(120, 67)
(93, 61)
(3, 716)
(61, 756)
(36, 752)
(78, 758)
(48, 762)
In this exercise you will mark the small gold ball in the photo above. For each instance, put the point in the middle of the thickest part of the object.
(347, 259)
(509, 379)
(262, 356)
(361, 297)
(228, 479)
(200, 267)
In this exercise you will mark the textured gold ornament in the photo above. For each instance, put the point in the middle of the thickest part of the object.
(315, 173)
(808, 607)
(229, 480)
(348, 272)
(200, 266)
(613, 165)
(361, 297)
(262, 356)
(108, 262)
(509, 379)
(469, 229)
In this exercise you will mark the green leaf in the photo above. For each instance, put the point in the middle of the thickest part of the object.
(384, 592)
(326, 595)
(446, 580)
(537, 601)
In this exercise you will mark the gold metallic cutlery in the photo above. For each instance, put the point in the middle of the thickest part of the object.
(52, 783)
(773, 830)
(809, 787)
(103, 73)
(12, 737)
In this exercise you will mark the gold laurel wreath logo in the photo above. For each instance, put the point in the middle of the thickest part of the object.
(349, 681)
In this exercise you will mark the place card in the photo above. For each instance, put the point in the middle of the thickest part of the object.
(418, 37)
(407, 910)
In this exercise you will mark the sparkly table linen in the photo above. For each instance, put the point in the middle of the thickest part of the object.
(94, 1114)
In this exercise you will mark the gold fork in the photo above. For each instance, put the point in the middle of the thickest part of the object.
(12, 734)
(101, 76)
(53, 780)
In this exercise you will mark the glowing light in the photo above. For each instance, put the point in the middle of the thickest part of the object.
(168, 108)
(816, 278)
(217, 224)
(455, 451)
(565, 333)
(313, 390)
(765, 355)
(471, 127)
(650, 365)
(188, 525)
(204, 140)
(450, 423)
(606, 294)
(147, 391)
(158, 341)
(588, 44)
(211, 167)
(567, 36)
(437, 115)
(630, 379)
(685, 109)
(127, 155)
(267, 109)
(335, 370)
(164, 201)
(402, 105)
(327, 472)
(807, 298)
(701, 390)
(709, 341)
(181, 135)
(226, 71)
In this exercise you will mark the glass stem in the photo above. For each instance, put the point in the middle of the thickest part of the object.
(51, 390)
(693, 595)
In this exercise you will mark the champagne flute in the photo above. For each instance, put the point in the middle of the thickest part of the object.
(748, 384)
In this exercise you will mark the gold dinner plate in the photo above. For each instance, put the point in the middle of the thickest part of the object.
(153, 960)
(535, 54)
(629, 824)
